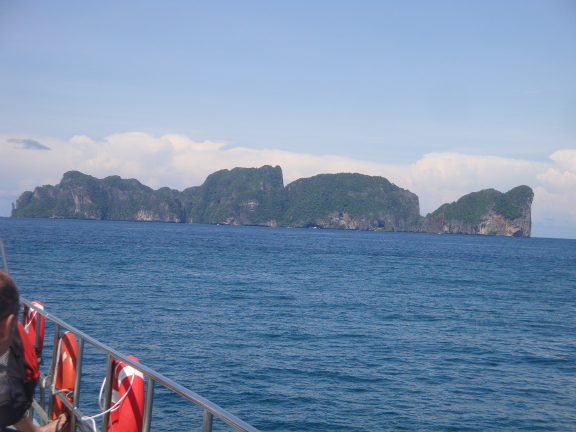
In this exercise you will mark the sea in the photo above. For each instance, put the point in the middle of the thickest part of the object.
(316, 330)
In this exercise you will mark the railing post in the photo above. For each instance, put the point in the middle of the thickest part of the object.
(31, 412)
(37, 334)
(36, 347)
(77, 378)
(42, 396)
(108, 391)
(40, 317)
(52, 367)
(207, 423)
(3, 253)
(148, 405)
(23, 315)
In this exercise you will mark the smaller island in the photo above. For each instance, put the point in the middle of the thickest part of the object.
(487, 212)
(257, 196)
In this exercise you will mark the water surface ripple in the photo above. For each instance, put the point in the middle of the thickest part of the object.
(318, 330)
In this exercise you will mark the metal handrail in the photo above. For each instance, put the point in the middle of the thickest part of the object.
(210, 408)
(3, 252)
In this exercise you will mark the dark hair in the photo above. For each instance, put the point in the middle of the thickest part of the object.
(9, 297)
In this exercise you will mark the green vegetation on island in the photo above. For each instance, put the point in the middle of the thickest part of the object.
(471, 207)
(247, 196)
(257, 196)
(80, 196)
(487, 212)
(327, 197)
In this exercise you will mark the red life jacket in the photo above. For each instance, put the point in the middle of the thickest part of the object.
(18, 379)
(30, 361)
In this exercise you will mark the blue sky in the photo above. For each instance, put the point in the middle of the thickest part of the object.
(443, 98)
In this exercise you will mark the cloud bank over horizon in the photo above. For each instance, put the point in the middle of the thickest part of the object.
(179, 162)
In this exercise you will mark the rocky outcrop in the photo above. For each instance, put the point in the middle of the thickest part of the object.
(350, 201)
(80, 196)
(257, 196)
(342, 220)
(241, 196)
(487, 212)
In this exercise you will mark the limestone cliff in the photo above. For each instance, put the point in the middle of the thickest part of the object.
(80, 196)
(350, 201)
(257, 196)
(488, 212)
(241, 196)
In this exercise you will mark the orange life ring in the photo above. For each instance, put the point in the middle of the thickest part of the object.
(129, 415)
(30, 326)
(66, 372)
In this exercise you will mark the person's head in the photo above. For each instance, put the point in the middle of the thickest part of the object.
(9, 308)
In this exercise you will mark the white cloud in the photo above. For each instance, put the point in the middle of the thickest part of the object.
(558, 180)
(445, 177)
(81, 140)
(179, 162)
(565, 158)
(562, 176)
(555, 207)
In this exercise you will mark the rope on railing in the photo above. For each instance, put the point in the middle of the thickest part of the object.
(112, 408)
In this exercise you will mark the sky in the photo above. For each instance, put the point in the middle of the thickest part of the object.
(442, 98)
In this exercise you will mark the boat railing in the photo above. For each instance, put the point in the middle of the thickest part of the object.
(210, 409)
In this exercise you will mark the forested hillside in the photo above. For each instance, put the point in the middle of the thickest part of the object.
(257, 196)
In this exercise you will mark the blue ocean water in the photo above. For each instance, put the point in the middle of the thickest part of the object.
(317, 330)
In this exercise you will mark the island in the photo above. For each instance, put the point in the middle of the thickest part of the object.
(257, 196)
